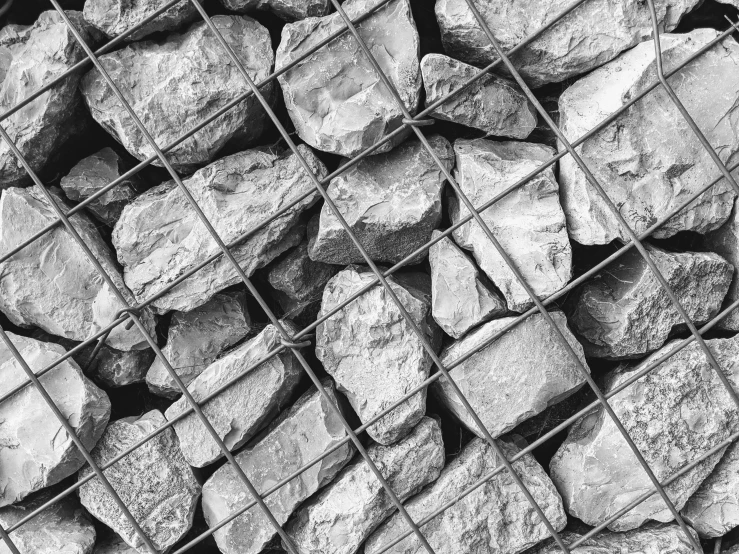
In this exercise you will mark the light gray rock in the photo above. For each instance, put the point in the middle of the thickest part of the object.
(340, 518)
(113, 544)
(307, 430)
(724, 241)
(159, 236)
(114, 17)
(649, 161)
(335, 98)
(289, 10)
(528, 223)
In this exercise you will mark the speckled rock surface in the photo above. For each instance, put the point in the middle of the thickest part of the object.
(114, 17)
(725, 242)
(289, 10)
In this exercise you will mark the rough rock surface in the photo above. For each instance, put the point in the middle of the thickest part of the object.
(335, 98)
(113, 544)
(241, 410)
(158, 237)
(625, 313)
(371, 351)
(492, 104)
(496, 517)
(174, 84)
(305, 431)
(649, 161)
(289, 10)
(340, 518)
(114, 17)
(528, 222)
(725, 242)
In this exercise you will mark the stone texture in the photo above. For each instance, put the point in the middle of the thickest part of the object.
(340, 518)
(625, 313)
(724, 241)
(289, 10)
(176, 83)
(159, 236)
(113, 544)
(307, 430)
(528, 223)
(372, 352)
(649, 161)
(114, 17)
(491, 104)
(496, 517)
(335, 98)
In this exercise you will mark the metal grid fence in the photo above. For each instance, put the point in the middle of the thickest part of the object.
(129, 316)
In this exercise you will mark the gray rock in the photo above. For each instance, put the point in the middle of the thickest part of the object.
(244, 408)
(114, 17)
(335, 98)
(113, 544)
(492, 104)
(340, 518)
(159, 236)
(307, 430)
(649, 161)
(724, 241)
(625, 313)
(528, 223)
(289, 10)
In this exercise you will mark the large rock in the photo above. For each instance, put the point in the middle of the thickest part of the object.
(304, 432)
(335, 97)
(528, 223)
(159, 235)
(340, 518)
(289, 10)
(649, 161)
(372, 352)
(725, 242)
(625, 312)
(113, 544)
(114, 17)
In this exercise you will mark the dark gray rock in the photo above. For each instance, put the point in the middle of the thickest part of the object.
(114, 17)
(724, 241)
(289, 10)
(113, 544)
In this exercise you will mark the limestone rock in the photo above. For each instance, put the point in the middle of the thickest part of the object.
(289, 10)
(340, 518)
(113, 544)
(114, 17)
(528, 222)
(335, 98)
(649, 161)
(725, 242)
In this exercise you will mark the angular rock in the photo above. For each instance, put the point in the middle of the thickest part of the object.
(649, 161)
(113, 544)
(725, 242)
(289, 10)
(335, 98)
(625, 313)
(340, 518)
(159, 236)
(305, 431)
(114, 17)
(528, 223)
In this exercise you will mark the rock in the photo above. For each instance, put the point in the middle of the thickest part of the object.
(371, 351)
(196, 338)
(115, 17)
(159, 236)
(725, 242)
(245, 407)
(113, 544)
(674, 415)
(165, 82)
(528, 222)
(301, 434)
(649, 161)
(496, 517)
(392, 202)
(491, 104)
(625, 313)
(289, 10)
(340, 518)
(36, 450)
(335, 98)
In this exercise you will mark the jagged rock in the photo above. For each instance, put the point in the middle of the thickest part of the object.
(725, 242)
(301, 434)
(183, 80)
(158, 237)
(392, 202)
(245, 407)
(625, 312)
(492, 104)
(340, 518)
(528, 222)
(496, 517)
(114, 17)
(674, 414)
(649, 161)
(592, 34)
(36, 450)
(289, 10)
(196, 338)
(371, 351)
(335, 98)
(113, 544)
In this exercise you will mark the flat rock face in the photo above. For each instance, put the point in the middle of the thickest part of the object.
(674, 414)
(289, 10)
(725, 242)
(625, 313)
(340, 518)
(114, 17)
(335, 98)
(159, 235)
(649, 161)
(528, 222)
(492, 104)
(305, 431)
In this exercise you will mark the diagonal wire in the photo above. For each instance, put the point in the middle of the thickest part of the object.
(8, 541)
